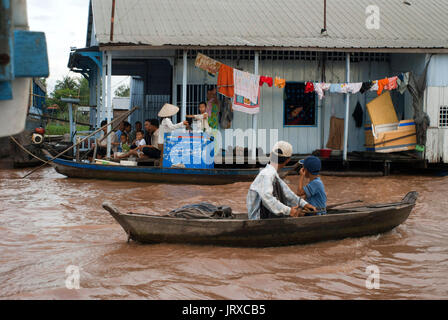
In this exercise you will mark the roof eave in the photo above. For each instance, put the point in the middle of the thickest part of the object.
(132, 46)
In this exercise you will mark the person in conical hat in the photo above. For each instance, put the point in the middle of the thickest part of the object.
(269, 196)
(167, 111)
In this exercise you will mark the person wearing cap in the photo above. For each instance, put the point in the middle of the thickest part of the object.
(269, 196)
(314, 191)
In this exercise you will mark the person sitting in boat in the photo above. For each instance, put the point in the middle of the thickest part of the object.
(151, 149)
(200, 121)
(133, 134)
(269, 196)
(128, 130)
(139, 142)
(314, 191)
(102, 142)
(124, 145)
(166, 126)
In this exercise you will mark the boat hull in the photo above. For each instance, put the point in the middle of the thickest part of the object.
(154, 174)
(262, 233)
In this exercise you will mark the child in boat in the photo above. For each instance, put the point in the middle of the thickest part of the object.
(314, 191)
(124, 145)
(139, 142)
(201, 120)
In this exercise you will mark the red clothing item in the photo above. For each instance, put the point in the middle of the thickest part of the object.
(382, 84)
(267, 80)
(225, 81)
(392, 84)
(309, 87)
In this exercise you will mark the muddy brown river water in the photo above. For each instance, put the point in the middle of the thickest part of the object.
(49, 222)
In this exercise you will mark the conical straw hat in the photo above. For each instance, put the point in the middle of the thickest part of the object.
(168, 110)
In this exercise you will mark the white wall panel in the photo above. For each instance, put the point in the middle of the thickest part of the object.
(304, 139)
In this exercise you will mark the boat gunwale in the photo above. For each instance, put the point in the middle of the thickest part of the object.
(159, 170)
(305, 218)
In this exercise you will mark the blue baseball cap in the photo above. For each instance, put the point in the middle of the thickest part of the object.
(312, 164)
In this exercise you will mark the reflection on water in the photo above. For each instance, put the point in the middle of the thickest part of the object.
(48, 222)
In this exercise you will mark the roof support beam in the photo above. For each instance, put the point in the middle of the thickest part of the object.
(347, 106)
(109, 101)
(99, 73)
(184, 86)
(254, 116)
(103, 86)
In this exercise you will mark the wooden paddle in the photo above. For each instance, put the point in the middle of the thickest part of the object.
(341, 204)
(330, 206)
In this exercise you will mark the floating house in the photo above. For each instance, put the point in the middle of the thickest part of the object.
(156, 43)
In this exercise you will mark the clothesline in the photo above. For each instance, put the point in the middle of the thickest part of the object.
(243, 87)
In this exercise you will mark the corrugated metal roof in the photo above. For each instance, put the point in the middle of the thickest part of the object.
(270, 23)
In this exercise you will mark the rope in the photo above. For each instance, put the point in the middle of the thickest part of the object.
(24, 149)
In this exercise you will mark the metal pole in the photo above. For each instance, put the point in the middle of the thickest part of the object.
(98, 97)
(109, 100)
(70, 117)
(103, 89)
(184, 88)
(254, 117)
(347, 106)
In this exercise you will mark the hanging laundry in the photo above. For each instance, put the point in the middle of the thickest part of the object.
(336, 88)
(374, 86)
(208, 64)
(402, 82)
(243, 104)
(353, 88)
(392, 85)
(382, 84)
(309, 87)
(246, 85)
(268, 80)
(280, 83)
(320, 87)
(358, 115)
(226, 114)
(225, 81)
(366, 86)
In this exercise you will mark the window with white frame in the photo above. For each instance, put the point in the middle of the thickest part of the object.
(443, 117)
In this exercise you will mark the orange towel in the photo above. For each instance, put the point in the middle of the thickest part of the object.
(225, 81)
(382, 84)
(281, 83)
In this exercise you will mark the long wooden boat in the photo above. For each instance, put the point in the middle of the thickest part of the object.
(241, 232)
(215, 176)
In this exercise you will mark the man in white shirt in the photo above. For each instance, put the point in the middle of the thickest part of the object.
(269, 196)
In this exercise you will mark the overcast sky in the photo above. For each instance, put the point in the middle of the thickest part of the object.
(65, 25)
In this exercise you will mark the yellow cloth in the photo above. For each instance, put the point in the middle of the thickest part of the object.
(281, 83)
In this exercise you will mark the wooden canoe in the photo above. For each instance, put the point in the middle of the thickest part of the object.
(216, 176)
(241, 232)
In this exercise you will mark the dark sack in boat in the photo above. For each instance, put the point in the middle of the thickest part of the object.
(277, 192)
(202, 210)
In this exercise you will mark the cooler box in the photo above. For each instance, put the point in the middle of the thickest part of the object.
(386, 134)
(193, 150)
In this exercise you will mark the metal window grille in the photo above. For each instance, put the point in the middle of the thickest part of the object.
(443, 117)
(287, 55)
(196, 93)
